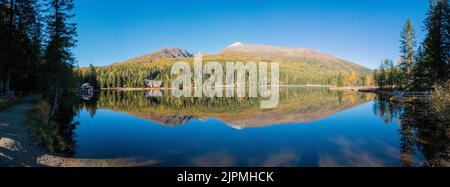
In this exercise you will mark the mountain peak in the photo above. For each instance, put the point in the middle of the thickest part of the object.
(236, 44)
(169, 52)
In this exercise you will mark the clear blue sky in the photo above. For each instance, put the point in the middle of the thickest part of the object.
(362, 31)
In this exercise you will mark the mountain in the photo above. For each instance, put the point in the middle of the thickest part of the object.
(304, 58)
(273, 51)
(282, 53)
(166, 53)
(297, 66)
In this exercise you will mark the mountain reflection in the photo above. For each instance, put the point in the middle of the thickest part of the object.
(296, 105)
(356, 129)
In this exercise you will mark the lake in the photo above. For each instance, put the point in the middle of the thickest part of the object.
(312, 127)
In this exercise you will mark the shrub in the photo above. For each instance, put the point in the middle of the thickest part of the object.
(44, 130)
(441, 101)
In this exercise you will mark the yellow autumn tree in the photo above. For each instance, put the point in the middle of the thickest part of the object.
(352, 79)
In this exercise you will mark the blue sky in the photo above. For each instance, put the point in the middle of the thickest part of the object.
(362, 31)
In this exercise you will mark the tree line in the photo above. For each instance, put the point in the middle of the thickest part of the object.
(35, 49)
(132, 75)
(426, 66)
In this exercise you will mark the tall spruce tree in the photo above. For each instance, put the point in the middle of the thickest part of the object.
(19, 52)
(3, 43)
(436, 44)
(93, 77)
(59, 60)
(422, 72)
(407, 50)
(8, 43)
(28, 39)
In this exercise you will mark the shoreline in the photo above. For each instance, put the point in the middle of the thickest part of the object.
(168, 88)
(356, 88)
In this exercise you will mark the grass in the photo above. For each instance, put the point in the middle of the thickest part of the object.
(44, 130)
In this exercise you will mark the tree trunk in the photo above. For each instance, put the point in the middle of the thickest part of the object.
(11, 35)
(11, 17)
(55, 100)
(7, 82)
(1, 85)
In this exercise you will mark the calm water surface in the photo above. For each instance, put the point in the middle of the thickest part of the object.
(311, 127)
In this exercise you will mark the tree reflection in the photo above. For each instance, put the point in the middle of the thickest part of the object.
(429, 134)
(387, 110)
(90, 105)
(421, 132)
(68, 109)
(296, 105)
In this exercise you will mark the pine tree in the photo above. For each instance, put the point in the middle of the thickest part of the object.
(382, 77)
(436, 44)
(390, 74)
(408, 44)
(29, 44)
(59, 60)
(19, 45)
(9, 47)
(92, 77)
(421, 71)
(3, 43)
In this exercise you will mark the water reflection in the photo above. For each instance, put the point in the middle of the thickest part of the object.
(430, 136)
(296, 105)
(421, 131)
(311, 127)
(65, 140)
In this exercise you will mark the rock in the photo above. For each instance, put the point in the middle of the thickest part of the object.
(51, 161)
(10, 144)
(3, 156)
(55, 161)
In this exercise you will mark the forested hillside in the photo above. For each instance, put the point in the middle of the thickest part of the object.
(294, 71)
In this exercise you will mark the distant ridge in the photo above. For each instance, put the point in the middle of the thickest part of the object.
(308, 58)
(325, 60)
(170, 53)
(273, 51)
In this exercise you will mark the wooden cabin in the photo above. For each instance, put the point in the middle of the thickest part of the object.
(153, 83)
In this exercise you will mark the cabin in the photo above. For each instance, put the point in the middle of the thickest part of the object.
(153, 93)
(153, 83)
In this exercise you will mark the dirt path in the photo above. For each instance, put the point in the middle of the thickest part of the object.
(17, 148)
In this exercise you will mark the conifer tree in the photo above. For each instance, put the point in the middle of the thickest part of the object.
(59, 60)
(407, 50)
(436, 45)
